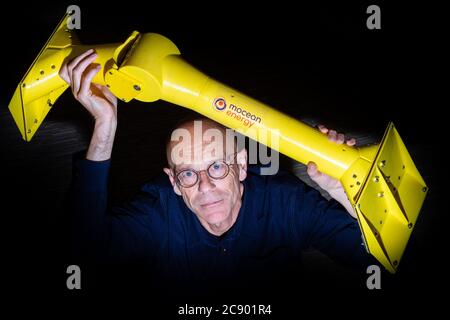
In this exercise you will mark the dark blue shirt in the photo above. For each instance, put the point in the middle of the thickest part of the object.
(279, 218)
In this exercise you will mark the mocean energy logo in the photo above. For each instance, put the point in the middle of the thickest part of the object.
(240, 114)
(220, 104)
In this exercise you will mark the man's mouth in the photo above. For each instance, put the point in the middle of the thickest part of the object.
(211, 204)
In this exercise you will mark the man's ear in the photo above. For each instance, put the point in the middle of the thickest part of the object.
(172, 181)
(241, 160)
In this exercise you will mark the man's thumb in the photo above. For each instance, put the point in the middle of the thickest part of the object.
(312, 169)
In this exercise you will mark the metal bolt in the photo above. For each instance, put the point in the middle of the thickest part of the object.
(382, 163)
(358, 183)
(53, 66)
(137, 87)
(29, 131)
(24, 85)
(354, 176)
(380, 194)
(424, 189)
(410, 225)
(49, 103)
(395, 262)
(376, 179)
(35, 121)
(41, 72)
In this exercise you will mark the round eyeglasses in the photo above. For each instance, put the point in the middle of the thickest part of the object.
(217, 170)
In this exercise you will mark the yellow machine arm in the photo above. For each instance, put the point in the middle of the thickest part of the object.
(381, 181)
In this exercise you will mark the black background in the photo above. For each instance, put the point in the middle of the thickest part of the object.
(311, 61)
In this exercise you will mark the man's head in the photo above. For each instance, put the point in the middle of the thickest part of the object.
(206, 167)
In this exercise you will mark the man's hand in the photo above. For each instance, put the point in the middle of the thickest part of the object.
(327, 183)
(96, 99)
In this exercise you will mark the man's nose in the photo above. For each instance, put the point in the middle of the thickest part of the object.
(205, 184)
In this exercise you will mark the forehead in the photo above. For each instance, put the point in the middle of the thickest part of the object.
(199, 143)
(198, 156)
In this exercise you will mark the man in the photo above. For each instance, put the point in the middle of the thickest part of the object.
(214, 223)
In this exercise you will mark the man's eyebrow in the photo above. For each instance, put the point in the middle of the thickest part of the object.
(186, 166)
(181, 167)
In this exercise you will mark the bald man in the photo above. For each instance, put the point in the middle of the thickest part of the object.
(211, 221)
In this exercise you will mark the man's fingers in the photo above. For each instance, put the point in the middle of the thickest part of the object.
(312, 170)
(340, 138)
(332, 135)
(322, 128)
(335, 137)
(351, 142)
(86, 80)
(109, 95)
(63, 73)
(74, 62)
(78, 70)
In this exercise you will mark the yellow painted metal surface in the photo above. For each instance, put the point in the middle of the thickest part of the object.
(41, 85)
(381, 181)
(390, 200)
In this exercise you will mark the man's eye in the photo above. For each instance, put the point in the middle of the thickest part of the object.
(188, 174)
(217, 166)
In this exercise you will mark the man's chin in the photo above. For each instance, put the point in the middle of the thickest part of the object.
(214, 216)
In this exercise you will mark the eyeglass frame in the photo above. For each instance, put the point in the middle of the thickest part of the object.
(207, 172)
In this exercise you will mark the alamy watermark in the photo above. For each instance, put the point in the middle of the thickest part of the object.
(74, 18)
(218, 144)
(374, 20)
(374, 280)
(74, 279)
